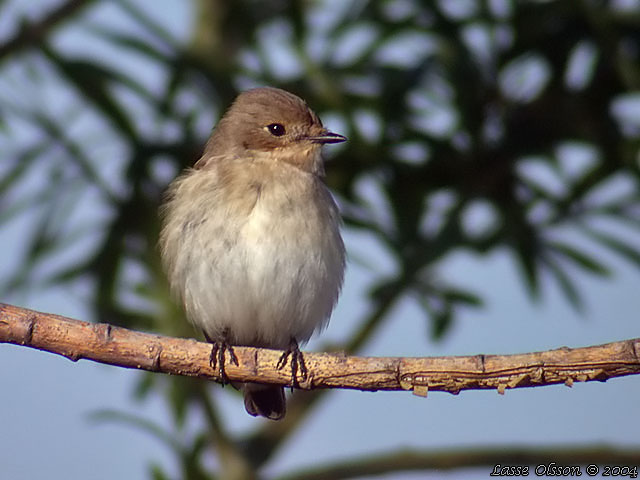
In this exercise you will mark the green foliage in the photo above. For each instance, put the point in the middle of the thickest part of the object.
(460, 117)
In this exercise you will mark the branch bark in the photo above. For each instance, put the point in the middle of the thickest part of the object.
(130, 349)
(31, 34)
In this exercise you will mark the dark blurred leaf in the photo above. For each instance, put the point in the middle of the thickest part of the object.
(157, 473)
(191, 460)
(580, 258)
(144, 386)
(146, 21)
(56, 132)
(441, 320)
(18, 207)
(529, 267)
(179, 396)
(92, 80)
(140, 423)
(134, 44)
(21, 165)
(566, 284)
(625, 250)
(462, 297)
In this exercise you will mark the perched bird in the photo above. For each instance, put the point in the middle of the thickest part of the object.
(250, 238)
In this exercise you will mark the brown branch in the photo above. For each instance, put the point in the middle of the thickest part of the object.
(538, 459)
(34, 33)
(127, 348)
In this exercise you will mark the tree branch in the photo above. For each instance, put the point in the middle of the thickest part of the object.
(408, 460)
(34, 33)
(127, 348)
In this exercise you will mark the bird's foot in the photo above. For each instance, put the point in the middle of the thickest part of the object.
(216, 357)
(297, 363)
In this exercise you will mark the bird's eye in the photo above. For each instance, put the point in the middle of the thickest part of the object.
(276, 129)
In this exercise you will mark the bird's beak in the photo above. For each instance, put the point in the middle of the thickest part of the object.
(327, 137)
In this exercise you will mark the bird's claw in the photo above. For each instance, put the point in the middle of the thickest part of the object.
(297, 363)
(216, 357)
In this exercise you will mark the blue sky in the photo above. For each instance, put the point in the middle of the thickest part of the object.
(47, 400)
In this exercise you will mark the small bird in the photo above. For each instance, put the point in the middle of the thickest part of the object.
(251, 236)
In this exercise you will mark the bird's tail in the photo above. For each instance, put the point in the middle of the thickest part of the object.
(264, 400)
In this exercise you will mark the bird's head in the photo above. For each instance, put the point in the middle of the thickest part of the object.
(273, 124)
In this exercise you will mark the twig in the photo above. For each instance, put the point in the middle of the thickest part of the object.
(127, 348)
(541, 461)
(32, 34)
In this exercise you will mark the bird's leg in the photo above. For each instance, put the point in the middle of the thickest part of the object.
(216, 357)
(297, 362)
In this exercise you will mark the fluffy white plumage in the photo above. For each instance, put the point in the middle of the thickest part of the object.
(264, 274)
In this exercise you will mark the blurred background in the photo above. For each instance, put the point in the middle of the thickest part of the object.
(489, 191)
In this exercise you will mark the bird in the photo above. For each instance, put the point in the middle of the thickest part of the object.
(250, 237)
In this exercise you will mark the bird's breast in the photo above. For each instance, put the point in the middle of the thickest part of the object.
(271, 266)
